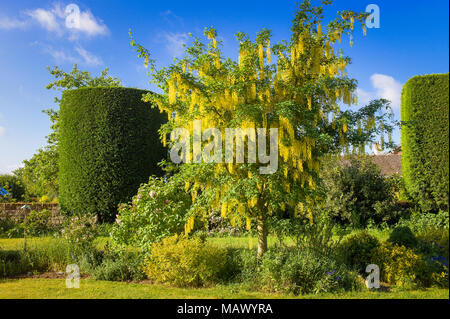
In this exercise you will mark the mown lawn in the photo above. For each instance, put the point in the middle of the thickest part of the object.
(31, 288)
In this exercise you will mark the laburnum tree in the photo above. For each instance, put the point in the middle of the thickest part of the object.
(298, 86)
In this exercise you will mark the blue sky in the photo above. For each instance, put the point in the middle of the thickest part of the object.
(412, 39)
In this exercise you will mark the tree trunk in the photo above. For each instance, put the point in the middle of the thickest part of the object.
(262, 235)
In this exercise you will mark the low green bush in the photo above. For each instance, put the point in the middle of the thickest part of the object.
(184, 262)
(303, 271)
(403, 236)
(124, 267)
(356, 250)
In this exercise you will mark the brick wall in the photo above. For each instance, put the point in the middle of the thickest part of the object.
(13, 211)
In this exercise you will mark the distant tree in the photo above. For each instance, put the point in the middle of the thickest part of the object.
(13, 185)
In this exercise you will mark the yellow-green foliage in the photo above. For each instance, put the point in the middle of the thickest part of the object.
(399, 265)
(425, 136)
(45, 199)
(184, 262)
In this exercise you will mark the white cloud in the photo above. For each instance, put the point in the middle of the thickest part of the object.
(388, 88)
(385, 87)
(7, 23)
(47, 19)
(88, 57)
(175, 42)
(2, 131)
(89, 25)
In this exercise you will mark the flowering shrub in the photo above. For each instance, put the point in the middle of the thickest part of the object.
(80, 232)
(184, 262)
(157, 211)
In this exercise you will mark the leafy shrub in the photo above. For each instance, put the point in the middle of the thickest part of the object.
(110, 266)
(108, 146)
(401, 266)
(36, 223)
(157, 211)
(425, 136)
(14, 186)
(121, 269)
(184, 262)
(303, 271)
(397, 184)
(403, 236)
(319, 236)
(437, 239)
(357, 249)
(357, 193)
(420, 221)
(6, 225)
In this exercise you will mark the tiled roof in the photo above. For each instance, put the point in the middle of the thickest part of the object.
(388, 163)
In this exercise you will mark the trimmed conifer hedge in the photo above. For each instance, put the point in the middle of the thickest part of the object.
(425, 139)
(109, 145)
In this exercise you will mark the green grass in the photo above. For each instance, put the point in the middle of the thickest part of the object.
(39, 242)
(92, 289)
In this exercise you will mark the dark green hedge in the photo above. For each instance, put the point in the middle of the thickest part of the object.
(109, 145)
(424, 138)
